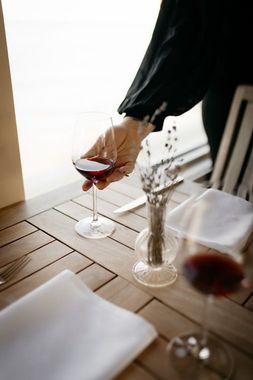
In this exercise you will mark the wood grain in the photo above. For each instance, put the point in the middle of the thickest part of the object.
(40, 258)
(180, 296)
(135, 372)
(105, 265)
(122, 234)
(106, 209)
(106, 252)
(95, 276)
(23, 246)
(121, 293)
(167, 321)
(24, 210)
(73, 261)
(249, 303)
(15, 232)
(155, 359)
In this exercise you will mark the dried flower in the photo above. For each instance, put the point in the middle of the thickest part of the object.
(164, 172)
(154, 177)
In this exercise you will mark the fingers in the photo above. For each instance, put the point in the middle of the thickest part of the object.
(86, 185)
(127, 168)
(117, 175)
(101, 185)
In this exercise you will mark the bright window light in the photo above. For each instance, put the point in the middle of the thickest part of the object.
(67, 57)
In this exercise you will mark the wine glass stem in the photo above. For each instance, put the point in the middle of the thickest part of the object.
(95, 213)
(204, 330)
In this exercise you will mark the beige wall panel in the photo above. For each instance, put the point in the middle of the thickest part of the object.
(11, 182)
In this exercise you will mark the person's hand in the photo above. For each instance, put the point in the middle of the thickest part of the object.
(128, 136)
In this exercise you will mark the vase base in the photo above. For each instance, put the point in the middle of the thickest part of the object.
(154, 277)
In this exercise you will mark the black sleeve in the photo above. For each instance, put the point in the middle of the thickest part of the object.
(178, 63)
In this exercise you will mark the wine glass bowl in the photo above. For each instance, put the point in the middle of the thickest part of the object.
(94, 168)
(214, 273)
(94, 155)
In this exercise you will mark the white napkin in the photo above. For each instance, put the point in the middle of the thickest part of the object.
(63, 331)
(227, 222)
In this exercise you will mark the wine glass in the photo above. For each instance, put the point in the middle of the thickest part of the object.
(213, 273)
(94, 155)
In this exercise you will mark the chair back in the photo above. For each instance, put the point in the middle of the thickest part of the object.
(233, 169)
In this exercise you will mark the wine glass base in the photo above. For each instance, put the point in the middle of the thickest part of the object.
(190, 358)
(155, 277)
(95, 230)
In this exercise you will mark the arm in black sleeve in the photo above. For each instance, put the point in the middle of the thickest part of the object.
(178, 63)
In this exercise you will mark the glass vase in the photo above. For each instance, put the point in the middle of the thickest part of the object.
(156, 249)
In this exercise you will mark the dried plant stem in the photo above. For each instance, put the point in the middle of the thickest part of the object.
(156, 235)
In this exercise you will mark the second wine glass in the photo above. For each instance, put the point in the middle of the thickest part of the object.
(198, 355)
(94, 155)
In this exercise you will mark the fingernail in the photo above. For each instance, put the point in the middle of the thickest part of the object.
(122, 170)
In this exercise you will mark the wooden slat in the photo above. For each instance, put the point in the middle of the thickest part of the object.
(175, 309)
(121, 293)
(242, 295)
(73, 261)
(106, 209)
(169, 325)
(23, 246)
(119, 259)
(78, 212)
(24, 210)
(113, 197)
(39, 259)
(135, 372)
(118, 199)
(155, 358)
(243, 365)
(15, 232)
(132, 185)
(182, 297)
(95, 276)
(124, 188)
(106, 252)
(116, 195)
(181, 192)
(249, 303)
(167, 321)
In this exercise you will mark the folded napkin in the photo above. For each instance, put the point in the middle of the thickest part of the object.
(63, 331)
(226, 223)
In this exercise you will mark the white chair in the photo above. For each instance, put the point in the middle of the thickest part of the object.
(233, 170)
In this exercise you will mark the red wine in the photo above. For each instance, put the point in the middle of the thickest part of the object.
(215, 274)
(94, 168)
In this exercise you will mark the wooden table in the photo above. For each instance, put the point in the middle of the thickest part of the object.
(44, 229)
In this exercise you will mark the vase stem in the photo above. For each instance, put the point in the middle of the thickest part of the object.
(156, 217)
(156, 249)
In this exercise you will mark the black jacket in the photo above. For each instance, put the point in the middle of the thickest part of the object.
(195, 44)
